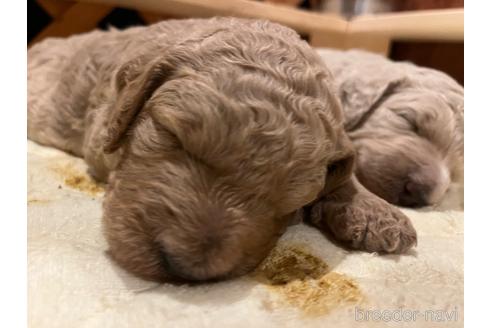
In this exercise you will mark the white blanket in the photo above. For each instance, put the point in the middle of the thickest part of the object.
(73, 283)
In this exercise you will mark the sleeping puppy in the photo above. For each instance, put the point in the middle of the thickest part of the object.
(211, 134)
(406, 123)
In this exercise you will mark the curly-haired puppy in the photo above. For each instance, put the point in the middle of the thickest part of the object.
(210, 134)
(406, 123)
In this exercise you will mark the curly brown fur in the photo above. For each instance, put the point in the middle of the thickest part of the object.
(210, 134)
(406, 123)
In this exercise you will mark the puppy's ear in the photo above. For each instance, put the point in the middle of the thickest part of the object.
(360, 101)
(135, 83)
(341, 167)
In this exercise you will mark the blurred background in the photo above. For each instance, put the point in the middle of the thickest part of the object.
(426, 32)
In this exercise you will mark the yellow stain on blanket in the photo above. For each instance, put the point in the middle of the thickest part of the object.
(37, 201)
(78, 180)
(305, 281)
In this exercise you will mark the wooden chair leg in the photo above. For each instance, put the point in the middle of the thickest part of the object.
(380, 44)
(55, 8)
(374, 43)
(79, 18)
(323, 39)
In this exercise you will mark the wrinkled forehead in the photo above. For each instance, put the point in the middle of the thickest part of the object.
(250, 81)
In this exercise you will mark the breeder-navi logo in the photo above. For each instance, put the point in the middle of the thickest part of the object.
(405, 315)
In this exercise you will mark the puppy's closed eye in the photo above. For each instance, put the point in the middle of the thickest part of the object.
(408, 117)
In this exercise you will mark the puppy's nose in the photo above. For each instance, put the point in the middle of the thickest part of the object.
(207, 246)
(173, 269)
(414, 195)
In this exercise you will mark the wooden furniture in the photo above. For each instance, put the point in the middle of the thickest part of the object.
(374, 33)
(70, 17)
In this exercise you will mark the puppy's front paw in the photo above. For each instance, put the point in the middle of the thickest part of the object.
(366, 223)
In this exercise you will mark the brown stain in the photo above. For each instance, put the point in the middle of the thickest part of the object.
(75, 179)
(37, 201)
(304, 281)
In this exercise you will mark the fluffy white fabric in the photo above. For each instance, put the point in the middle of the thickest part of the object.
(73, 283)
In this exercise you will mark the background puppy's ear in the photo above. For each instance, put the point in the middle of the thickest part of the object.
(360, 100)
(134, 89)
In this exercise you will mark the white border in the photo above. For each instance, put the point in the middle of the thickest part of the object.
(13, 168)
(478, 145)
(478, 127)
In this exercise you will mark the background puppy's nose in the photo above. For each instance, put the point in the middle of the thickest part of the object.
(414, 195)
(426, 186)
